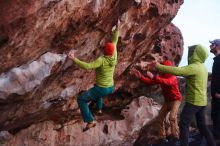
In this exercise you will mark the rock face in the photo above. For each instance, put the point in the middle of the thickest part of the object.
(36, 93)
(107, 132)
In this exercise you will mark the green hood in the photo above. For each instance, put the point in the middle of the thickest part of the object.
(200, 54)
(196, 76)
(111, 60)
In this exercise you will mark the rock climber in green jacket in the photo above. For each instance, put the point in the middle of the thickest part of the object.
(104, 67)
(196, 76)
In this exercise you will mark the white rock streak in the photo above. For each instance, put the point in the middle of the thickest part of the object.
(24, 78)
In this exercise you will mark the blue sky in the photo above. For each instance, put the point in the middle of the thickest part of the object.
(199, 22)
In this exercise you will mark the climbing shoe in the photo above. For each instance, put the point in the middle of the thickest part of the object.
(89, 125)
(98, 112)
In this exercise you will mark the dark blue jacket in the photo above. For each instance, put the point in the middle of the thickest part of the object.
(215, 83)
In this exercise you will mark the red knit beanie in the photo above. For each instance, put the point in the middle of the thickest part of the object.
(109, 49)
(167, 63)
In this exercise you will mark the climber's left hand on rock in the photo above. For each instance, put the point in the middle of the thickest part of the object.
(71, 54)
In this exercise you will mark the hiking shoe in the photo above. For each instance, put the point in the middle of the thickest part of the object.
(174, 139)
(89, 125)
(164, 140)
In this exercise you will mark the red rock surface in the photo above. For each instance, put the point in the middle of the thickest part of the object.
(35, 36)
(107, 132)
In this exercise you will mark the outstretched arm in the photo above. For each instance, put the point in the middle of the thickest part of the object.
(179, 71)
(166, 81)
(95, 64)
(146, 80)
(115, 40)
(92, 65)
(115, 36)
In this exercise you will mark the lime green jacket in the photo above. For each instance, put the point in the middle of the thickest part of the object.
(104, 66)
(196, 76)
